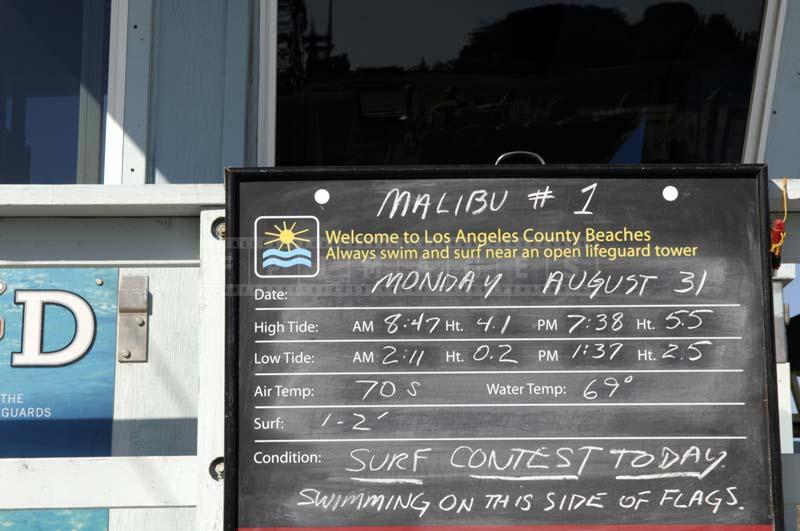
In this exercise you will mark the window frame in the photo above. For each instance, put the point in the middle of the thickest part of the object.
(129, 71)
(758, 115)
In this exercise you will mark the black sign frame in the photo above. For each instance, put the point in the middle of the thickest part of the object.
(235, 176)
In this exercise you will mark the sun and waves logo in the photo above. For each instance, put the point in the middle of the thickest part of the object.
(286, 246)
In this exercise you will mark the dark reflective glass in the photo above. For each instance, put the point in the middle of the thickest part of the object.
(53, 83)
(462, 81)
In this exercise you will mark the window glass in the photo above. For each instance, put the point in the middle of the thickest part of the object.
(462, 81)
(53, 83)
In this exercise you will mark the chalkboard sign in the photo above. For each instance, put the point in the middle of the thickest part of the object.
(504, 348)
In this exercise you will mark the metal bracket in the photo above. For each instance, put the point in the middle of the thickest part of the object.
(132, 319)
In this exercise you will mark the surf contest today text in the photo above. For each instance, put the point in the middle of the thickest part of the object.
(532, 352)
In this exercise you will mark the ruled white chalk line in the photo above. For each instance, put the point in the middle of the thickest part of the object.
(389, 481)
(567, 404)
(526, 478)
(488, 339)
(508, 439)
(428, 373)
(498, 307)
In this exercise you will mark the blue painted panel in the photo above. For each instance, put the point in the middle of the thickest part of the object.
(60, 520)
(58, 411)
(65, 411)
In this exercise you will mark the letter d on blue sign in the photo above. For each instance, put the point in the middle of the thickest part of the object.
(34, 302)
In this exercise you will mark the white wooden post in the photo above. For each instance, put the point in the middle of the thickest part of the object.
(211, 361)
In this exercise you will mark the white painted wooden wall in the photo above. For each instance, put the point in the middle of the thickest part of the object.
(164, 436)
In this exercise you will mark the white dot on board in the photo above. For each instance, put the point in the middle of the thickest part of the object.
(670, 193)
(322, 196)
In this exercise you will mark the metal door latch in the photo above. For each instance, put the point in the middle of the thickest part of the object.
(132, 319)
